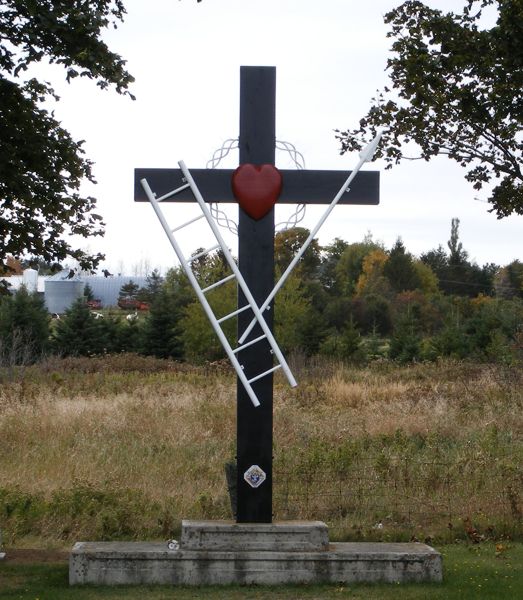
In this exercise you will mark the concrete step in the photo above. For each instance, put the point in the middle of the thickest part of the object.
(141, 563)
(280, 536)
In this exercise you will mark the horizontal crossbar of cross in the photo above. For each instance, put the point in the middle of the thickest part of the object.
(299, 187)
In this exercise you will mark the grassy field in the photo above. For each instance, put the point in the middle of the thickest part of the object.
(483, 571)
(125, 447)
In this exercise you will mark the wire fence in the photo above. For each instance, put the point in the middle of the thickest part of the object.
(380, 496)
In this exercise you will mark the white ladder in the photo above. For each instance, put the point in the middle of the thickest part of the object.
(251, 303)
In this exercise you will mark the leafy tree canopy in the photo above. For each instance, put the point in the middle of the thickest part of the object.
(41, 166)
(288, 243)
(457, 90)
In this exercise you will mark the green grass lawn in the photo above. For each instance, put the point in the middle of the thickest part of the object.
(482, 571)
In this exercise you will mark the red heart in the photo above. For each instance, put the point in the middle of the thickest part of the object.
(257, 188)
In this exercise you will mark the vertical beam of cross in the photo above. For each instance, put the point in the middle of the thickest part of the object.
(256, 262)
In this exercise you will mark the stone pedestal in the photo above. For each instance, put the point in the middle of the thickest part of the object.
(281, 536)
(221, 552)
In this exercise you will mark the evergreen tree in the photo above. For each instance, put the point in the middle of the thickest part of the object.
(160, 331)
(405, 343)
(437, 260)
(351, 342)
(455, 273)
(130, 336)
(346, 344)
(490, 319)
(373, 345)
(452, 339)
(4, 288)
(129, 291)
(400, 270)
(152, 287)
(88, 292)
(24, 328)
(78, 333)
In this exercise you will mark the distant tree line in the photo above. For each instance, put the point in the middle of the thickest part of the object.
(355, 302)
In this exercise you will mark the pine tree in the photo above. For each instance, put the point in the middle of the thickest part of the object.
(373, 345)
(88, 292)
(351, 342)
(151, 288)
(24, 328)
(160, 332)
(78, 333)
(405, 343)
(400, 270)
(130, 336)
(129, 291)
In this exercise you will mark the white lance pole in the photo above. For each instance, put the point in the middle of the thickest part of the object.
(365, 156)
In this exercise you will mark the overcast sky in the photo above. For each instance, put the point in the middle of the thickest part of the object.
(330, 57)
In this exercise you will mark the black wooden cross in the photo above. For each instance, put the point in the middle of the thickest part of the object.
(256, 261)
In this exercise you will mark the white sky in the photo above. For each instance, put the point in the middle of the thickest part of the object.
(330, 57)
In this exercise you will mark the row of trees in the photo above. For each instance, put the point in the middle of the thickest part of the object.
(455, 88)
(353, 301)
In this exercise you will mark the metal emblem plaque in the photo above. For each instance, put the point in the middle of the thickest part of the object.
(255, 476)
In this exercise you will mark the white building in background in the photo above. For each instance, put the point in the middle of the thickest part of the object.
(106, 289)
(60, 294)
(60, 291)
(30, 279)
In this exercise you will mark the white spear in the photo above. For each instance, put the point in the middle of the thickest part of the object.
(365, 155)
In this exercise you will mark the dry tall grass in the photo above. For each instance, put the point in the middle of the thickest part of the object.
(375, 451)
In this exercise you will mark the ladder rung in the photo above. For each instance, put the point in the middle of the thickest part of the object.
(234, 313)
(188, 223)
(266, 373)
(200, 254)
(249, 343)
(222, 281)
(173, 193)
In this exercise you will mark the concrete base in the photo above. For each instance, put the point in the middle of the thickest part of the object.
(280, 536)
(128, 563)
